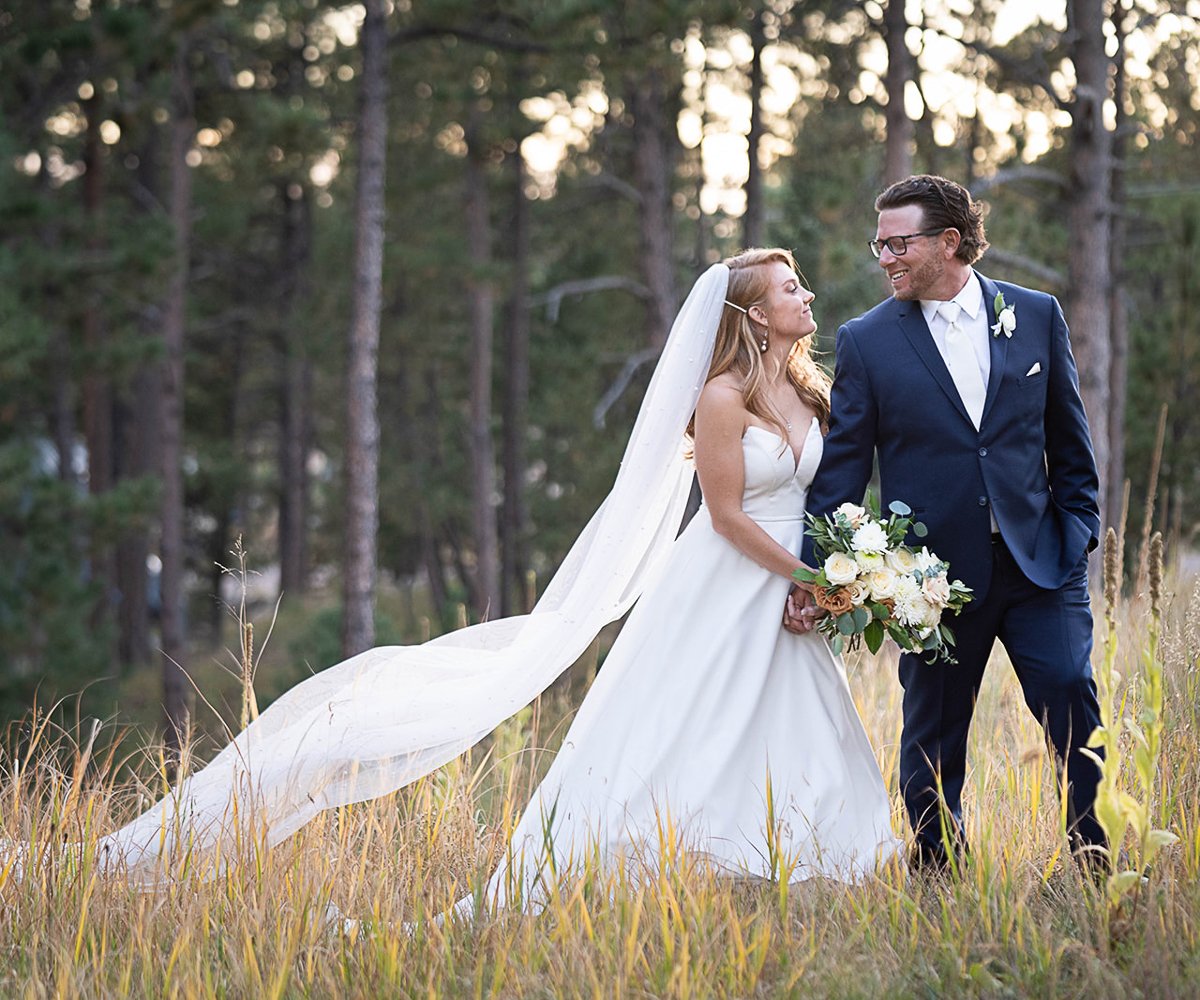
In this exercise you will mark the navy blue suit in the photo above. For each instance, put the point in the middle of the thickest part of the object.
(1031, 466)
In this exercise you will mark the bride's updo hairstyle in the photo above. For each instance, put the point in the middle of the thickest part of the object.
(738, 338)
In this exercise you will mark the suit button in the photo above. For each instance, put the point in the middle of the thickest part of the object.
(983, 453)
(983, 501)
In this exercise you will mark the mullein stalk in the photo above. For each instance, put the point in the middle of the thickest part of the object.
(1109, 809)
(1117, 810)
(1147, 730)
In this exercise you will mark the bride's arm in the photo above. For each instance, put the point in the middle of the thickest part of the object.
(720, 423)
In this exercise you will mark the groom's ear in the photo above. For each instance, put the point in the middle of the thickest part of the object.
(953, 239)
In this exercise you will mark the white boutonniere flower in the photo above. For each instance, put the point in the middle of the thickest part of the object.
(1006, 317)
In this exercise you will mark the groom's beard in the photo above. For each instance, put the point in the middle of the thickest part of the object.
(922, 276)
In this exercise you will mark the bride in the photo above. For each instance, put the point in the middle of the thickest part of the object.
(707, 717)
(706, 711)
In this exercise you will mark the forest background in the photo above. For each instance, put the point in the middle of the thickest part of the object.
(375, 288)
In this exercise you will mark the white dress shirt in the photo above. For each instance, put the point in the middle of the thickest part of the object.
(973, 320)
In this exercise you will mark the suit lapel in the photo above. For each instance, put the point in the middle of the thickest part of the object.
(998, 347)
(912, 322)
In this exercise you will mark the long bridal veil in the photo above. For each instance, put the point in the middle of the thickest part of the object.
(380, 720)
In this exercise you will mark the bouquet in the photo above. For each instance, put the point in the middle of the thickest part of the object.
(873, 585)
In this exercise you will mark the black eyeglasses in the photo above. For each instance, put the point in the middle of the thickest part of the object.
(899, 244)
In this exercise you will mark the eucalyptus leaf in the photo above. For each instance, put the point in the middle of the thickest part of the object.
(845, 623)
(900, 508)
(919, 529)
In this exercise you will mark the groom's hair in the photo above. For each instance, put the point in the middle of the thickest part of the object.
(945, 205)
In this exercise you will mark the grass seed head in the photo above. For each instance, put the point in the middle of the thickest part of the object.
(1156, 574)
(1112, 576)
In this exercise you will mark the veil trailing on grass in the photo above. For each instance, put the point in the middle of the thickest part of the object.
(380, 720)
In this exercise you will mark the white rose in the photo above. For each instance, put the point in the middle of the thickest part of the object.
(869, 537)
(902, 560)
(868, 562)
(852, 513)
(936, 590)
(1007, 320)
(882, 583)
(926, 560)
(859, 592)
(840, 569)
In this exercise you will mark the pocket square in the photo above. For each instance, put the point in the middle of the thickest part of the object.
(1037, 367)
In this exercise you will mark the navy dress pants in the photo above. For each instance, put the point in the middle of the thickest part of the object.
(1048, 637)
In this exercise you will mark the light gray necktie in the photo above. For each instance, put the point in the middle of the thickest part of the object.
(963, 365)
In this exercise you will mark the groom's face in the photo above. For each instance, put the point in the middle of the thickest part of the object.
(920, 269)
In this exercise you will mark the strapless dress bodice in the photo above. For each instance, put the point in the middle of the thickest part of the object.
(776, 487)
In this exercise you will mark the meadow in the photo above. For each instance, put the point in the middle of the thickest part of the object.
(1019, 919)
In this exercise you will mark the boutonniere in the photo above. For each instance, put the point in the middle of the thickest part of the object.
(1006, 317)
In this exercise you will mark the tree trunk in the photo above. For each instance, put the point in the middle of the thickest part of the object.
(1089, 287)
(1177, 471)
(139, 454)
(652, 170)
(136, 454)
(62, 415)
(362, 419)
(975, 135)
(695, 159)
(174, 636)
(1118, 314)
(514, 555)
(480, 297)
(901, 133)
(421, 428)
(753, 223)
(295, 425)
(97, 387)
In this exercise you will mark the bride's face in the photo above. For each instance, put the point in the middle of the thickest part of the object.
(787, 308)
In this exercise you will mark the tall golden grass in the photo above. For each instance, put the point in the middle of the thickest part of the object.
(1020, 920)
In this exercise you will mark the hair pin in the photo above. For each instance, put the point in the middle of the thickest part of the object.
(741, 309)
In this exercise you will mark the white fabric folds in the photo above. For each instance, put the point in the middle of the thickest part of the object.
(380, 720)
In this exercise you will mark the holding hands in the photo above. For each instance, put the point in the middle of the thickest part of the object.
(801, 613)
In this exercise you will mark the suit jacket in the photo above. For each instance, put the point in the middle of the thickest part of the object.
(1030, 464)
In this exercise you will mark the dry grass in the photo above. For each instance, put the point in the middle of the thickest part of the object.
(1019, 922)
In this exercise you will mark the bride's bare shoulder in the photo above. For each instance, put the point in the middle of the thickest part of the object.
(726, 387)
(721, 403)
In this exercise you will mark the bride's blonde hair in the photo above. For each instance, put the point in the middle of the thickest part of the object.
(737, 343)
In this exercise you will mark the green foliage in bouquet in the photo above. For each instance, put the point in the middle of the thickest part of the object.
(875, 586)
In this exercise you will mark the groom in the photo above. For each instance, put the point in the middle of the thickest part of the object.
(978, 425)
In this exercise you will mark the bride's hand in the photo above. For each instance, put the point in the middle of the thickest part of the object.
(800, 614)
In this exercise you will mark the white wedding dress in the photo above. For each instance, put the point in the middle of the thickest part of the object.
(703, 696)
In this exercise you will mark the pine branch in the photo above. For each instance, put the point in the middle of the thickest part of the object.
(614, 392)
(1041, 175)
(1044, 273)
(582, 286)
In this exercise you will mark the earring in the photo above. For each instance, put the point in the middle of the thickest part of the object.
(763, 346)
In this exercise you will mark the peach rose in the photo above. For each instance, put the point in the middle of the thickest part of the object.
(859, 592)
(836, 602)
